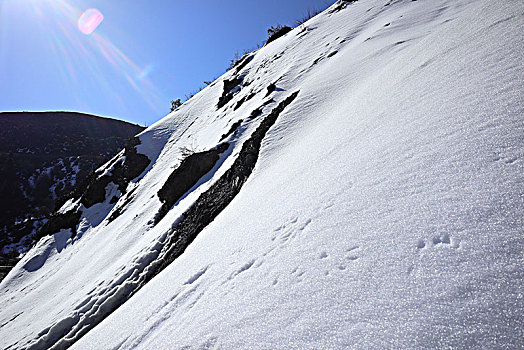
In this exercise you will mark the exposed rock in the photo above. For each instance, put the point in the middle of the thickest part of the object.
(122, 173)
(258, 111)
(60, 221)
(96, 191)
(341, 4)
(128, 197)
(227, 94)
(233, 129)
(240, 64)
(186, 176)
(213, 201)
(45, 157)
(270, 89)
(244, 99)
(277, 33)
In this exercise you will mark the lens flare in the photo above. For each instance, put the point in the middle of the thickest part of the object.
(145, 72)
(89, 21)
(82, 57)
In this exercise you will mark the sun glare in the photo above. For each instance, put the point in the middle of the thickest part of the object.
(89, 21)
(61, 21)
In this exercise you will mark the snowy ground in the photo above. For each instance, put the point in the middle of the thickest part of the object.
(385, 209)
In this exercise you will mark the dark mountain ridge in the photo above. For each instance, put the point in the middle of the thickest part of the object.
(43, 155)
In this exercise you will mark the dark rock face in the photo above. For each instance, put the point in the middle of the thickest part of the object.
(233, 129)
(244, 99)
(133, 165)
(258, 111)
(57, 222)
(218, 197)
(271, 88)
(279, 32)
(341, 4)
(43, 157)
(192, 169)
(122, 207)
(227, 94)
(96, 191)
(240, 64)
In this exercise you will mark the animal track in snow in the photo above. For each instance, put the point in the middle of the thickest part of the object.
(506, 158)
(350, 255)
(290, 230)
(243, 268)
(442, 240)
(297, 274)
(305, 224)
(196, 276)
(328, 206)
(211, 343)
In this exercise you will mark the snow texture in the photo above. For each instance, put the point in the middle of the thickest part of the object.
(385, 210)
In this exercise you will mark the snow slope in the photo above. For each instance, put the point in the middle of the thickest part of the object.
(385, 209)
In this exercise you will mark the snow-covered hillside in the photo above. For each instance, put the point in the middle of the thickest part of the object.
(361, 186)
(43, 156)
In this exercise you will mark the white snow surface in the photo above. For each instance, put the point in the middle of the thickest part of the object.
(386, 208)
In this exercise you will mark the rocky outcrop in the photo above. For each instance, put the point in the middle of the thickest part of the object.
(229, 91)
(206, 208)
(132, 165)
(45, 159)
(232, 129)
(192, 169)
(242, 62)
(217, 198)
(60, 221)
(278, 32)
(121, 174)
(341, 4)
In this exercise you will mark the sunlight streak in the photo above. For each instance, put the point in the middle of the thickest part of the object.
(62, 22)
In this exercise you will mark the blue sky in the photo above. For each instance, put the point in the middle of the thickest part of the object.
(142, 55)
